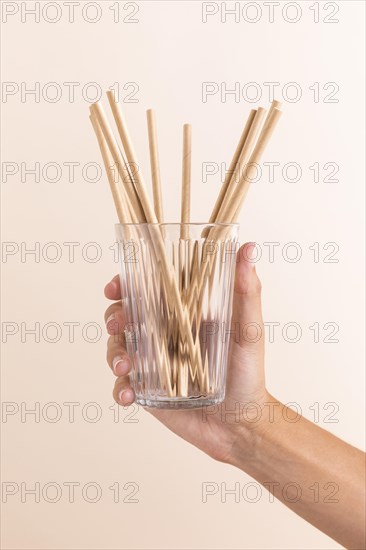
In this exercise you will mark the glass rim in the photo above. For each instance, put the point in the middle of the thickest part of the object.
(178, 224)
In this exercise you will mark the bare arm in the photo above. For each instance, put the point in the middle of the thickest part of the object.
(314, 473)
(317, 475)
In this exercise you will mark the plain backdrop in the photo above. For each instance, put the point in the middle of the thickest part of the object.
(135, 485)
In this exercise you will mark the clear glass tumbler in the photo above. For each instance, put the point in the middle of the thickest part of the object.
(177, 283)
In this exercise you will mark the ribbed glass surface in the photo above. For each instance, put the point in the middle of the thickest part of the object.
(177, 286)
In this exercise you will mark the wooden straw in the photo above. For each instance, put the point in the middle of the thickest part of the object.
(243, 159)
(98, 112)
(183, 250)
(274, 105)
(163, 364)
(186, 180)
(155, 166)
(158, 243)
(131, 158)
(227, 207)
(129, 211)
(247, 141)
(241, 190)
(232, 166)
(231, 210)
(123, 215)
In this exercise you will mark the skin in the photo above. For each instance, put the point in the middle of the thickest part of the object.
(317, 475)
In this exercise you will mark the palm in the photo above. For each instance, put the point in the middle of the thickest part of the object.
(205, 427)
(212, 429)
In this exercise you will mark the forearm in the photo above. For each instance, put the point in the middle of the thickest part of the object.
(314, 473)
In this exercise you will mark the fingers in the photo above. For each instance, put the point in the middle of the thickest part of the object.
(120, 364)
(117, 357)
(114, 319)
(112, 290)
(246, 381)
(122, 392)
(247, 307)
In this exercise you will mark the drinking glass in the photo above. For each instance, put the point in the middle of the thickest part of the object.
(177, 284)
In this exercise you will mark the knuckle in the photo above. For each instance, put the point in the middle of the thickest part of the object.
(115, 346)
(249, 286)
(116, 307)
(122, 383)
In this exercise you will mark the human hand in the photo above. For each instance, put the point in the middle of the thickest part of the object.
(269, 445)
(213, 429)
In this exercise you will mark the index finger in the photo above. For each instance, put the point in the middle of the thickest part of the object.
(112, 290)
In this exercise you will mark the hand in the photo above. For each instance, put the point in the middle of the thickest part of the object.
(214, 429)
(270, 447)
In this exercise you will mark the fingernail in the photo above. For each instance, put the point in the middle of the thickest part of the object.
(125, 396)
(111, 323)
(120, 365)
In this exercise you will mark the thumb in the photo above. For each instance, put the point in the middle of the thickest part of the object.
(246, 366)
(247, 306)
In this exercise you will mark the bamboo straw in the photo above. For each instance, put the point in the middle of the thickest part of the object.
(123, 215)
(186, 180)
(155, 165)
(241, 190)
(232, 166)
(274, 105)
(230, 211)
(237, 160)
(161, 345)
(241, 155)
(250, 133)
(185, 244)
(98, 111)
(158, 242)
(134, 204)
(130, 213)
(131, 158)
(243, 159)
(183, 371)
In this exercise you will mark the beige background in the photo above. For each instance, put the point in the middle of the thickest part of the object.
(169, 53)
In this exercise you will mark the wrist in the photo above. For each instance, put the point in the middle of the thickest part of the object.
(257, 423)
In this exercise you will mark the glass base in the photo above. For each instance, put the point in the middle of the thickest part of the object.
(179, 402)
